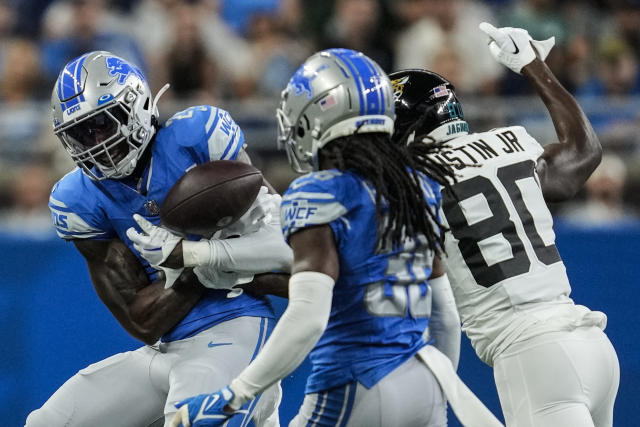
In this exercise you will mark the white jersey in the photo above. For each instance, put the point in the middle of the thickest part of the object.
(507, 276)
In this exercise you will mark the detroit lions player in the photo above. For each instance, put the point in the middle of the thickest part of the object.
(553, 364)
(365, 233)
(105, 117)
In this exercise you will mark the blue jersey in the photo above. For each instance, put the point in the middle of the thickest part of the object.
(381, 300)
(86, 209)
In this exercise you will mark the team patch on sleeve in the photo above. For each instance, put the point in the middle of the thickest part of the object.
(309, 202)
(70, 225)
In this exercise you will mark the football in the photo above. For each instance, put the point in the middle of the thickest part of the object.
(210, 196)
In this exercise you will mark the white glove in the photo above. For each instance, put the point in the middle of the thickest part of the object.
(213, 278)
(155, 244)
(514, 47)
(263, 209)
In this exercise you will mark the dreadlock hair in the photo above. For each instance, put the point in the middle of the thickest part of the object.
(394, 172)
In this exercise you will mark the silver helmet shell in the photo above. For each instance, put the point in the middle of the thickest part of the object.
(103, 113)
(335, 93)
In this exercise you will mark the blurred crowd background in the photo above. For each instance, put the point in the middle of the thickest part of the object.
(239, 55)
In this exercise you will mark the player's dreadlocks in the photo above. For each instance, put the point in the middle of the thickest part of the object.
(393, 170)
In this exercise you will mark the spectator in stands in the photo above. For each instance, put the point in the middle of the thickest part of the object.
(154, 34)
(188, 67)
(451, 25)
(541, 18)
(618, 75)
(238, 14)
(358, 25)
(21, 116)
(604, 203)
(626, 21)
(275, 56)
(28, 212)
(618, 72)
(90, 27)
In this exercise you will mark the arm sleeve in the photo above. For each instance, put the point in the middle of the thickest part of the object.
(444, 323)
(295, 335)
(254, 246)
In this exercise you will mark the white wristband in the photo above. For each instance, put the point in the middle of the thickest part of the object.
(197, 253)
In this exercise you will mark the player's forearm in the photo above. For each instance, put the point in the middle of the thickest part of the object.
(154, 311)
(262, 251)
(579, 152)
(295, 335)
(268, 284)
(444, 324)
(570, 122)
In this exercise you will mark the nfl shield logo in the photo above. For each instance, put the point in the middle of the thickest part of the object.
(152, 207)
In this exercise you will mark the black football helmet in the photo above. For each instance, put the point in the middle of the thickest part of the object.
(424, 101)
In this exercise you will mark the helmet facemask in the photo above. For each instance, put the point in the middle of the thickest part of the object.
(298, 158)
(108, 130)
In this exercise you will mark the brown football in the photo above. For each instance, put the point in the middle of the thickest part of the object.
(210, 196)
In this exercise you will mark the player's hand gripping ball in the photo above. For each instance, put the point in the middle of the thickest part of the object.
(210, 196)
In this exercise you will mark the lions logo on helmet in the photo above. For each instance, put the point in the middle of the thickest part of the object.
(121, 69)
(105, 127)
(335, 93)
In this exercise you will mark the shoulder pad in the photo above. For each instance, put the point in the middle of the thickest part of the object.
(207, 129)
(76, 217)
(313, 199)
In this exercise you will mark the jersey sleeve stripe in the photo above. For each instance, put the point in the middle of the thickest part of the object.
(212, 122)
(308, 195)
(59, 208)
(235, 143)
(289, 202)
(78, 234)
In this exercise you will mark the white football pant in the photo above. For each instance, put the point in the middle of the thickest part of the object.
(139, 388)
(559, 379)
(409, 396)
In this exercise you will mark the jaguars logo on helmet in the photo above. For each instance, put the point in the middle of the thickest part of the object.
(426, 105)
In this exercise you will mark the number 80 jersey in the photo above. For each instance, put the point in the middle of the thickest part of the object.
(501, 252)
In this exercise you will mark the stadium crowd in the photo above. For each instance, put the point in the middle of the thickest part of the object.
(239, 54)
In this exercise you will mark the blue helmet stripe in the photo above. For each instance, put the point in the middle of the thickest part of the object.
(367, 80)
(376, 81)
(70, 82)
(342, 55)
(370, 83)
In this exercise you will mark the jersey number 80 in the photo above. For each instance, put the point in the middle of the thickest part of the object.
(469, 235)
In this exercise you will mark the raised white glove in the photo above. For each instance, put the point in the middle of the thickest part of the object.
(514, 47)
(155, 244)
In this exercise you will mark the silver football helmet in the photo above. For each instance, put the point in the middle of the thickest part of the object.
(103, 113)
(335, 93)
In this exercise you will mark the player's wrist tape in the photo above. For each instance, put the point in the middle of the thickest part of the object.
(198, 253)
(257, 252)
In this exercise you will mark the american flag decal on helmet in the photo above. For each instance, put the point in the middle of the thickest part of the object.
(327, 102)
(440, 91)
